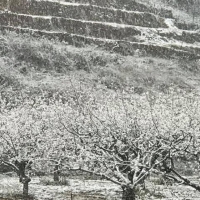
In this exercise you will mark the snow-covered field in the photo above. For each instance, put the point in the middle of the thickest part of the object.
(77, 189)
(92, 189)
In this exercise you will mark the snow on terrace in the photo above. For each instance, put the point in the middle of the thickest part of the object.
(116, 25)
(150, 35)
(168, 21)
(113, 24)
(62, 2)
(148, 40)
(33, 16)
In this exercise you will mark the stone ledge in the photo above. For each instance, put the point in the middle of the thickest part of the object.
(86, 28)
(86, 12)
(118, 46)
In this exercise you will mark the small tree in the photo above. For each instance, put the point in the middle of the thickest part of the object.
(21, 131)
(54, 145)
(10, 156)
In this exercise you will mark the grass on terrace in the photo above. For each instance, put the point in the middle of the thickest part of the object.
(33, 64)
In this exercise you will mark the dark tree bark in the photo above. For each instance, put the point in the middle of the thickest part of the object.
(22, 176)
(56, 173)
(186, 181)
(128, 193)
(25, 182)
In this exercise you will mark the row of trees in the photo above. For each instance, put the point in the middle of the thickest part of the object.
(120, 137)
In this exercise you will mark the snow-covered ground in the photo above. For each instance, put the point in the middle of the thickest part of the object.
(76, 188)
(93, 189)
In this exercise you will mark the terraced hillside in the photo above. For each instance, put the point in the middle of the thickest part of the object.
(120, 26)
(122, 56)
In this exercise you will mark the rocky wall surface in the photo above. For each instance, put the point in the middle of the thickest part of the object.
(188, 37)
(99, 30)
(193, 50)
(85, 12)
(92, 24)
(122, 47)
(126, 4)
(11, 19)
(185, 26)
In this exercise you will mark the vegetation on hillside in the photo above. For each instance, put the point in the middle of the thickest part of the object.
(46, 64)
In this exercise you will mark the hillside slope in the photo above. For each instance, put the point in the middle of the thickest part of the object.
(110, 45)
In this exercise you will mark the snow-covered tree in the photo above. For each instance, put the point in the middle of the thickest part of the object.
(121, 137)
(17, 143)
(23, 134)
(125, 140)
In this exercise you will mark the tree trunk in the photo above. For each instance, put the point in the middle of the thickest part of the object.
(25, 188)
(56, 174)
(25, 181)
(128, 193)
(21, 165)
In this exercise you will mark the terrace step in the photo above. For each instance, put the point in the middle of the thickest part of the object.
(127, 5)
(118, 46)
(80, 27)
(185, 36)
(81, 22)
(85, 12)
(171, 34)
(98, 29)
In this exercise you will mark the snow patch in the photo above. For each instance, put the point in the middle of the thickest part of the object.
(33, 16)
(171, 26)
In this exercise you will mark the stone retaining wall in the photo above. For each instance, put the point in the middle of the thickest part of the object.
(122, 47)
(189, 37)
(85, 12)
(126, 4)
(184, 26)
(99, 30)
(65, 23)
